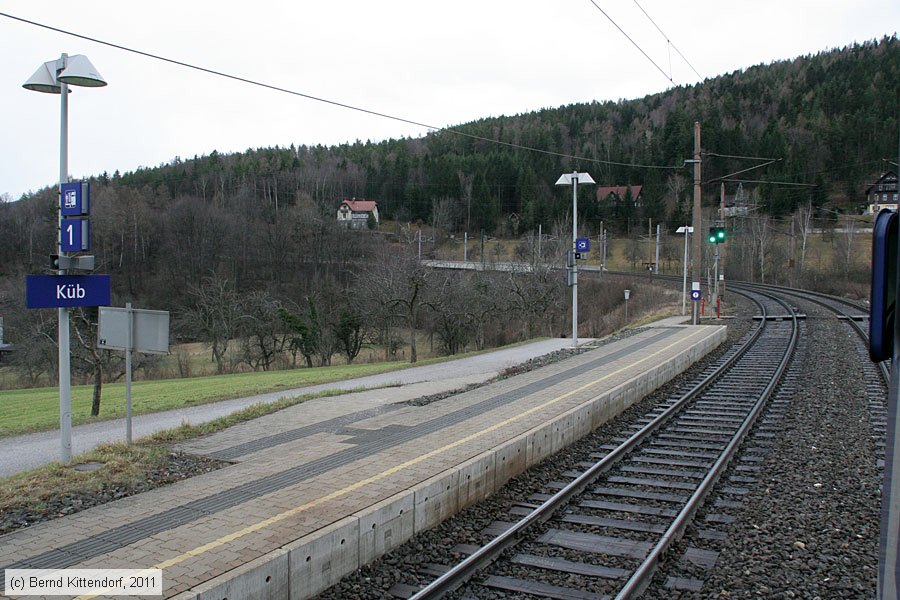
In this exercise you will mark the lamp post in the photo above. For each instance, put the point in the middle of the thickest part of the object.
(686, 230)
(573, 179)
(55, 77)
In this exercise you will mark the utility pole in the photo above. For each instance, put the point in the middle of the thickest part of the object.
(724, 251)
(696, 249)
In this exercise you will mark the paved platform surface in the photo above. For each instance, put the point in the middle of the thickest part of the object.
(320, 488)
(23, 452)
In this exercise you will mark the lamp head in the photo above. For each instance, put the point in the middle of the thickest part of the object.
(44, 79)
(71, 70)
(80, 71)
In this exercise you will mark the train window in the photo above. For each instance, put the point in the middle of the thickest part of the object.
(884, 286)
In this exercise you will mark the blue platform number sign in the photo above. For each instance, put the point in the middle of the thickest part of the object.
(696, 295)
(582, 245)
(75, 235)
(75, 199)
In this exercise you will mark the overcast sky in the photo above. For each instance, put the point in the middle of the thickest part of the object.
(438, 63)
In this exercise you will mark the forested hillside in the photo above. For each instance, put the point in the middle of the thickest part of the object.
(831, 118)
(261, 224)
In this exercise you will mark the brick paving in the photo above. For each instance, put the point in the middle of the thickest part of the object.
(308, 466)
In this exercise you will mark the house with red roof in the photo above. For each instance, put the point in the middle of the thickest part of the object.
(618, 193)
(356, 214)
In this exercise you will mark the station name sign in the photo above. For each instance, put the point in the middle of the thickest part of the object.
(58, 291)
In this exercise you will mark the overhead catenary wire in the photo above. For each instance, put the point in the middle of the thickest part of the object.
(669, 42)
(635, 44)
(343, 105)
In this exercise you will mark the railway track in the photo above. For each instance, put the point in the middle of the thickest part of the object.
(876, 376)
(607, 529)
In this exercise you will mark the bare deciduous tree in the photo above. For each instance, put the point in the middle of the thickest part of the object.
(397, 286)
(845, 244)
(760, 232)
(215, 317)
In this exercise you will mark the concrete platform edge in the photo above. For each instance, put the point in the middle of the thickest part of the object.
(317, 561)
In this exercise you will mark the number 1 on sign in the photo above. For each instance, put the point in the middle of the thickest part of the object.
(75, 235)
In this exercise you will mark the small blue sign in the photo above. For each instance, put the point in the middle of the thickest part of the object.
(75, 199)
(696, 295)
(583, 245)
(57, 291)
(75, 235)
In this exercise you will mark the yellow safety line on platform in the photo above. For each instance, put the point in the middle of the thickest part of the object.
(387, 473)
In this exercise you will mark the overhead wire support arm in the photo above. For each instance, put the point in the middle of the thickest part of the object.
(788, 183)
(726, 177)
(769, 158)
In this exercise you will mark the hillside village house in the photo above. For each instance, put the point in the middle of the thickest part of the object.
(355, 213)
(617, 193)
(882, 194)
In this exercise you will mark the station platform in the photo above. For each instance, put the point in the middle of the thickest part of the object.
(319, 489)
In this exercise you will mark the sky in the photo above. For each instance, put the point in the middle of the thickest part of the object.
(434, 63)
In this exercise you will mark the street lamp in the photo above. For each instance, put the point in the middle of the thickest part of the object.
(55, 77)
(685, 229)
(573, 179)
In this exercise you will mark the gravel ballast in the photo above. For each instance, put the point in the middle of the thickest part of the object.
(807, 529)
(810, 528)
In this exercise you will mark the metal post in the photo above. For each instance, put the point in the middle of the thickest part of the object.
(540, 237)
(574, 262)
(656, 264)
(715, 294)
(129, 345)
(482, 249)
(65, 377)
(724, 248)
(684, 282)
(601, 241)
(605, 238)
(47, 80)
(466, 246)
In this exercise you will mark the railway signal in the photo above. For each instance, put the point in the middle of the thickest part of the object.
(717, 235)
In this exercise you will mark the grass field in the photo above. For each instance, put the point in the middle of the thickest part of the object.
(37, 409)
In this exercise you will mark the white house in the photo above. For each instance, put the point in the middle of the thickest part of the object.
(882, 193)
(355, 213)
